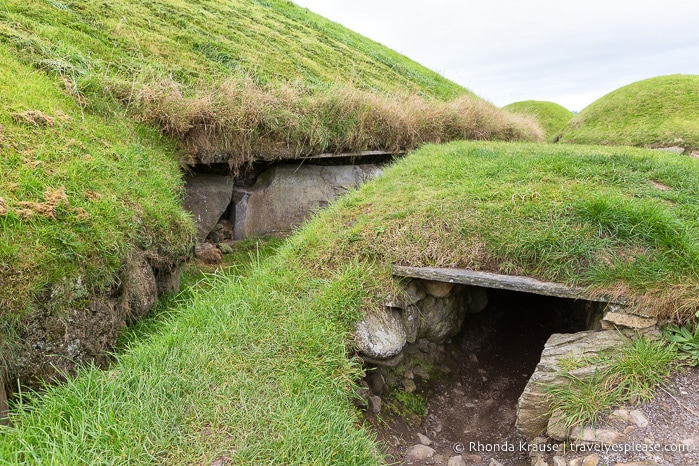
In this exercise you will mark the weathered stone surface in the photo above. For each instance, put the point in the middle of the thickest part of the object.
(208, 253)
(54, 345)
(380, 335)
(424, 439)
(614, 319)
(140, 290)
(437, 289)
(419, 453)
(532, 409)
(441, 318)
(167, 280)
(207, 198)
(674, 149)
(592, 435)
(639, 418)
(414, 292)
(556, 428)
(375, 404)
(591, 460)
(411, 323)
(456, 461)
(499, 281)
(284, 196)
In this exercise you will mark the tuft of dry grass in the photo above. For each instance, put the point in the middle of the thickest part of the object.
(239, 121)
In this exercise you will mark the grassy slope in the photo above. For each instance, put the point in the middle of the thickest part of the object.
(255, 367)
(656, 112)
(83, 60)
(252, 367)
(553, 117)
(242, 78)
(121, 192)
(204, 41)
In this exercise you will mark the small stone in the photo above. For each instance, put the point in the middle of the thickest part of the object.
(421, 372)
(601, 436)
(472, 458)
(409, 374)
(419, 453)
(494, 462)
(558, 461)
(622, 414)
(208, 253)
(457, 461)
(637, 463)
(409, 386)
(218, 462)
(674, 149)
(425, 440)
(541, 462)
(629, 429)
(224, 248)
(438, 459)
(638, 418)
(375, 404)
(377, 383)
(575, 462)
(438, 289)
(473, 358)
(591, 460)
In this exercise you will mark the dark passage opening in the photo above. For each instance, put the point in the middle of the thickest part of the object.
(481, 374)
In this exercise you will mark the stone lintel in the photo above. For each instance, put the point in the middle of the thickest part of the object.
(330, 155)
(501, 282)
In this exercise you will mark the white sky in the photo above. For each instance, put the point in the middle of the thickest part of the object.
(571, 52)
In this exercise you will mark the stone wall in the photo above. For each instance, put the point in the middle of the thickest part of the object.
(54, 343)
(281, 198)
(429, 310)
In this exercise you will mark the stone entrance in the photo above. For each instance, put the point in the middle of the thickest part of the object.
(272, 197)
(468, 346)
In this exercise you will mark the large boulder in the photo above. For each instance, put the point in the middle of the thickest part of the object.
(284, 196)
(207, 198)
(380, 335)
(533, 411)
(441, 318)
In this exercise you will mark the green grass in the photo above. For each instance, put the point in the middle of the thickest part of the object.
(253, 368)
(617, 220)
(628, 376)
(553, 117)
(656, 112)
(79, 193)
(257, 367)
(242, 79)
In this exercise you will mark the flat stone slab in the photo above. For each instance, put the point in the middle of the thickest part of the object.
(330, 155)
(502, 282)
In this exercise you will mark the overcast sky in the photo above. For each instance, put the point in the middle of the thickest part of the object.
(571, 52)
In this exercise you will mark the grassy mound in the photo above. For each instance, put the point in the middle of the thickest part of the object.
(656, 112)
(78, 194)
(98, 96)
(552, 117)
(246, 79)
(254, 367)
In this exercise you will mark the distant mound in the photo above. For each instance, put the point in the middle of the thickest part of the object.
(656, 112)
(551, 116)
